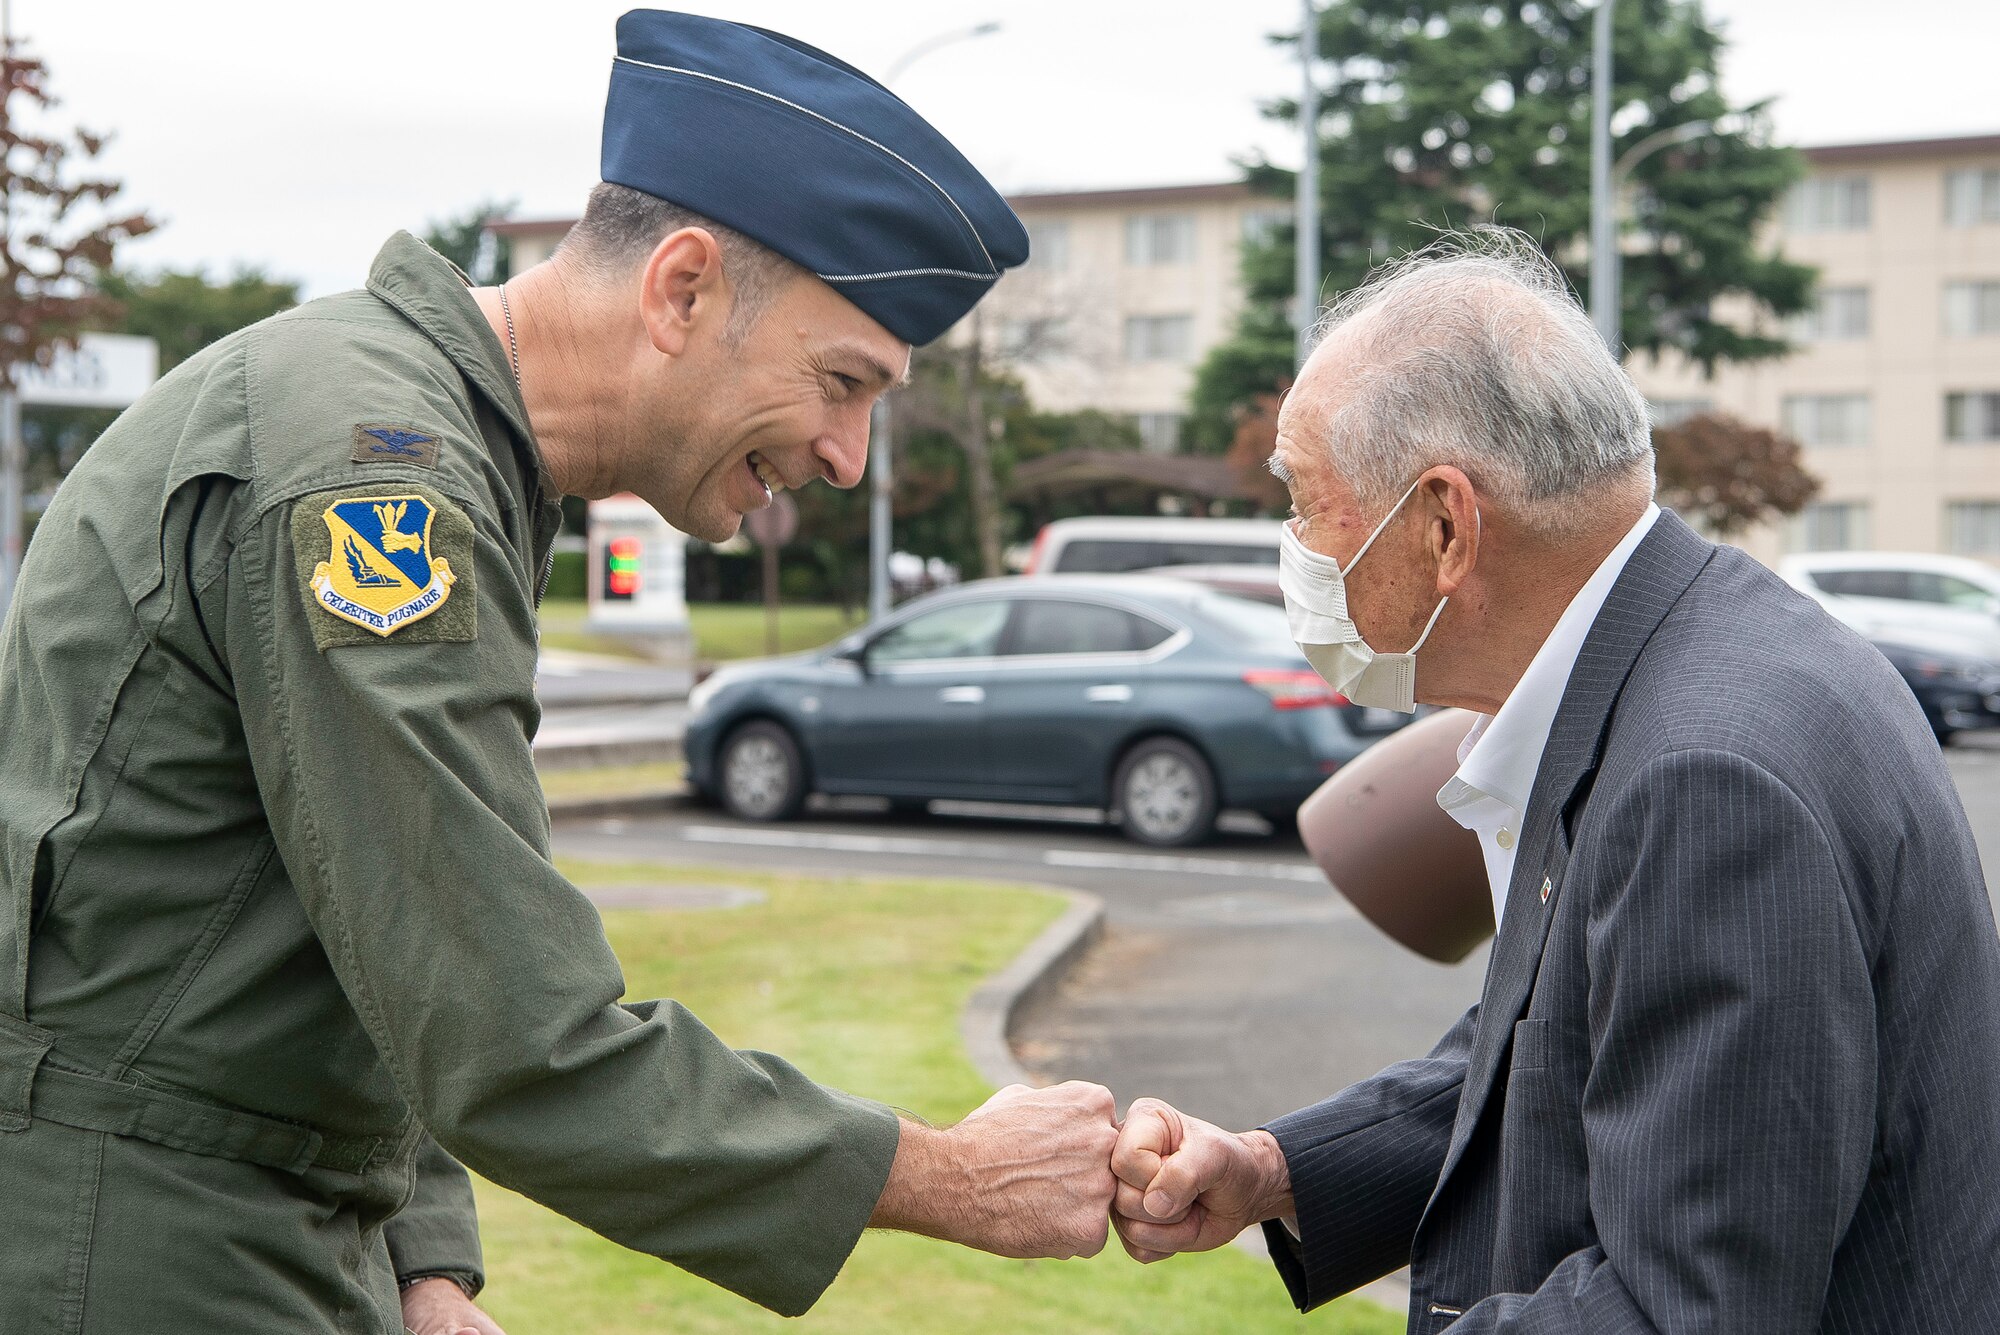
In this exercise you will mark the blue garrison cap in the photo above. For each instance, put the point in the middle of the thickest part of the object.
(811, 157)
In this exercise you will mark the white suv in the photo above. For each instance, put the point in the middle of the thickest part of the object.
(1881, 593)
(1119, 544)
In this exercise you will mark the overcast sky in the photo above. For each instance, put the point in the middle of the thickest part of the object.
(296, 137)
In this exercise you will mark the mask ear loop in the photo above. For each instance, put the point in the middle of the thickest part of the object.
(1379, 527)
(1479, 521)
(1428, 624)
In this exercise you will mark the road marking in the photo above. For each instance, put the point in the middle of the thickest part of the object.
(1280, 871)
(962, 848)
(845, 843)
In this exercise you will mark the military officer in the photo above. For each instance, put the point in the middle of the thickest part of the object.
(282, 945)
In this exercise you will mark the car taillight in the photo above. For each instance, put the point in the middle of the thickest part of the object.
(1288, 689)
(1035, 552)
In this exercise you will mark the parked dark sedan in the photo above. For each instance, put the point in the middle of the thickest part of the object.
(1156, 700)
(1957, 689)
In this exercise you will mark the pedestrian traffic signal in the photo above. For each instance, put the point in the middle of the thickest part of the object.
(621, 569)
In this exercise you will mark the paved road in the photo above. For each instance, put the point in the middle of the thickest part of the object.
(1231, 980)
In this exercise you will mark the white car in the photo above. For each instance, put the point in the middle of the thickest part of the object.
(1120, 544)
(1914, 597)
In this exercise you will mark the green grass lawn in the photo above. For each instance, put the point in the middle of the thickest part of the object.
(722, 631)
(612, 780)
(861, 983)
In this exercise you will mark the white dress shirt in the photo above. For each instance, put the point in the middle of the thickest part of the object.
(1499, 757)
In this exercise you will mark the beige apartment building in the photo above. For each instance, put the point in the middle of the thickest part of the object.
(1894, 388)
(1123, 293)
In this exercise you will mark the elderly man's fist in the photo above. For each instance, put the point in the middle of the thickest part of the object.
(1185, 1185)
(1026, 1174)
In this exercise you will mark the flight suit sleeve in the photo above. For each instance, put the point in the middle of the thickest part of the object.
(396, 773)
(437, 1233)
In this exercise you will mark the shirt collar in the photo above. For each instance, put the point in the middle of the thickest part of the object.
(436, 296)
(1502, 752)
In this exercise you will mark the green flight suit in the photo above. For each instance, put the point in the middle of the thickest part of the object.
(278, 925)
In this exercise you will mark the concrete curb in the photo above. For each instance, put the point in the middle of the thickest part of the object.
(609, 751)
(989, 1015)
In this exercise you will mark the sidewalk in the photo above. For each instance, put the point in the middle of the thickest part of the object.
(599, 710)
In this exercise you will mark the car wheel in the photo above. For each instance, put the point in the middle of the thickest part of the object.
(761, 774)
(1165, 793)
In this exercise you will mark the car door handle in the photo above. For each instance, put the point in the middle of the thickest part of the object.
(1109, 695)
(963, 695)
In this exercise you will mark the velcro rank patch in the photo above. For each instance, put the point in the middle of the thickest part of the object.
(388, 564)
(376, 443)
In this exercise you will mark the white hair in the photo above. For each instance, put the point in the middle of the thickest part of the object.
(1472, 352)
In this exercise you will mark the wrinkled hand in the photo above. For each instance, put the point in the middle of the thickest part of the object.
(1026, 1174)
(440, 1307)
(1187, 1186)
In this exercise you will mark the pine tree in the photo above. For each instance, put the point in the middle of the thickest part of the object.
(1448, 113)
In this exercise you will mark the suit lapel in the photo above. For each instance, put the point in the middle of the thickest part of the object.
(1665, 562)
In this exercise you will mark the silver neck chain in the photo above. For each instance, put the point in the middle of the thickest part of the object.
(513, 346)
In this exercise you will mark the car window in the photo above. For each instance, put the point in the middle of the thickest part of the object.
(963, 630)
(1949, 589)
(1258, 627)
(1050, 626)
(1866, 583)
(1113, 556)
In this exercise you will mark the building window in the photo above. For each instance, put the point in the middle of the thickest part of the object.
(1159, 238)
(1029, 341)
(1973, 527)
(1972, 197)
(1048, 245)
(1836, 313)
(1159, 338)
(1665, 413)
(1831, 526)
(1159, 433)
(1972, 308)
(1260, 225)
(1828, 204)
(1972, 418)
(1827, 419)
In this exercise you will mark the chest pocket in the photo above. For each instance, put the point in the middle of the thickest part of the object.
(1531, 1046)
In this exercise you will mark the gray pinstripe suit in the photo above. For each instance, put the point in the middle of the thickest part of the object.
(1736, 1067)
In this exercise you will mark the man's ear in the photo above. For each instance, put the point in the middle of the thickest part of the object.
(682, 288)
(1452, 527)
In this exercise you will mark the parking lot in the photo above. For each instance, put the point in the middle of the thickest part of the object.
(1215, 959)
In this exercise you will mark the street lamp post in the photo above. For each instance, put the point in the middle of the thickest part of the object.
(881, 478)
(1603, 216)
(1306, 244)
(1612, 317)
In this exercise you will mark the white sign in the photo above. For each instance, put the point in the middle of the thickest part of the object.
(105, 371)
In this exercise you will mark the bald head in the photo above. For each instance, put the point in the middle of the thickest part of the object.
(1473, 353)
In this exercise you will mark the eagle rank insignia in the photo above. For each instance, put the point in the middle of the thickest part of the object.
(380, 574)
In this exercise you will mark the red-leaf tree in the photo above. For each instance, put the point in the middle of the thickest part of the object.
(1729, 474)
(1250, 448)
(58, 223)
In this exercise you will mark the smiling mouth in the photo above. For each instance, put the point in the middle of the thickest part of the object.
(767, 477)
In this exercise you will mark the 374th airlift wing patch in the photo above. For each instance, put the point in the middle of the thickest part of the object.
(387, 567)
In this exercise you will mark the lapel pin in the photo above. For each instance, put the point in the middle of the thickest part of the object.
(1547, 887)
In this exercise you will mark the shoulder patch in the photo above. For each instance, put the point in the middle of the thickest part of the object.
(376, 443)
(394, 564)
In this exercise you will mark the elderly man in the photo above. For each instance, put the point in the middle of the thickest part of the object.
(1736, 1067)
(282, 943)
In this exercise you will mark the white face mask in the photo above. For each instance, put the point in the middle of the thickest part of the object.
(1315, 589)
